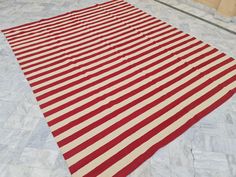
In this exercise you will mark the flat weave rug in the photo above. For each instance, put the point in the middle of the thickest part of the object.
(116, 84)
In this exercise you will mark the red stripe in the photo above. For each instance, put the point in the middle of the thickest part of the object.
(122, 98)
(95, 20)
(40, 26)
(68, 38)
(66, 71)
(45, 21)
(65, 35)
(106, 35)
(99, 109)
(29, 39)
(136, 162)
(76, 61)
(65, 19)
(94, 83)
(131, 104)
(113, 83)
(99, 89)
(119, 155)
(87, 57)
(106, 29)
(74, 20)
(57, 32)
(24, 41)
(70, 21)
(99, 42)
(96, 90)
(48, 40)
(64, 45)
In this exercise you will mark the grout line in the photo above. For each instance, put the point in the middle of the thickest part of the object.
(195, 16)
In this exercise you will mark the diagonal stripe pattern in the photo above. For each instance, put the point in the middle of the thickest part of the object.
(116, 84)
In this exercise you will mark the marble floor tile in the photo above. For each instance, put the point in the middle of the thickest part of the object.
(38, 158)
(28, 149)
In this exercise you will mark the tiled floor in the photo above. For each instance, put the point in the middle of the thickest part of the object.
(27, 148)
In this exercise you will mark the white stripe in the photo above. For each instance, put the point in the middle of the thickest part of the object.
(117, 106)
(58, 27)
(84, 170)
(68, 43)
(124, 82)
(67, 40)
(103, 126)
(53, 34)
(68, 17)
(133, 122)
(84, 45)
(80, 42)
(160, 136)
(91, 80)
(82, 62)
(81, 37)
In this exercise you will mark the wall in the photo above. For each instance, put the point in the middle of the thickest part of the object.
(224, 7)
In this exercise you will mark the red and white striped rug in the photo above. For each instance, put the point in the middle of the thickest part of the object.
(116, 84)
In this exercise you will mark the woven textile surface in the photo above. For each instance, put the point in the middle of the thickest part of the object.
(116, 84)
